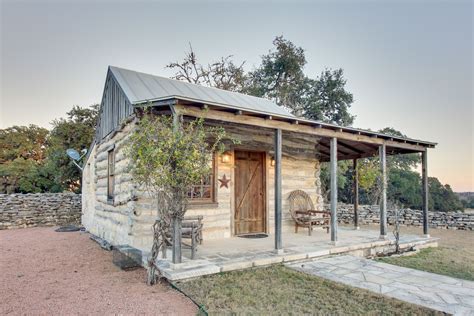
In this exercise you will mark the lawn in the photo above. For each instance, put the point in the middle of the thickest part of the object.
(454, 257)
(280, 290)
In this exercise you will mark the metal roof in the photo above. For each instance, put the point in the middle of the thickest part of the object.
(141, 88)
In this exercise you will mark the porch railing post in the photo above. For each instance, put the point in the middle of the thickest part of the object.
(278, 140)
(424, 179)
(356, 194)
(333, 161)
(383, 195)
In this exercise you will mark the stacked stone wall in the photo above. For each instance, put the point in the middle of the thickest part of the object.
(40, 209)
(370, 214)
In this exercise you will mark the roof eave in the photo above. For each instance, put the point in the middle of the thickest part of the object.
(170, 100)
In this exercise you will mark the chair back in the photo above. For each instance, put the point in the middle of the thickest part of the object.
(299, 201)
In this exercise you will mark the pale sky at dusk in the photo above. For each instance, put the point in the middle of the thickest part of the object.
(409, 64)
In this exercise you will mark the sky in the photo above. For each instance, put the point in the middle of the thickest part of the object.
(409, 64)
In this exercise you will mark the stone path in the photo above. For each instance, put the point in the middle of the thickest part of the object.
(227, 254)
(435, 291)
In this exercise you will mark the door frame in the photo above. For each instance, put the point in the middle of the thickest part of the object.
(265, 175)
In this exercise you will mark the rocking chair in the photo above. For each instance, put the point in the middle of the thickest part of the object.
(303, 213)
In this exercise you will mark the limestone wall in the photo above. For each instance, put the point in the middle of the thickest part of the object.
(369, 214)
(41, 209)
(111, 220)
(129, 218)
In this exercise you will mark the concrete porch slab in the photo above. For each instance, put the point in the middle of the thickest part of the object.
(236, 253)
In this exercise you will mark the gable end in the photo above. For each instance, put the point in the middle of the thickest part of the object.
(114, 108)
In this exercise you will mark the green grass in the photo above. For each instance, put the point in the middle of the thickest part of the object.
(280, 290)
(443, 260)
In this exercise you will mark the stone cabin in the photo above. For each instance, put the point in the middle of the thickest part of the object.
(249, 183)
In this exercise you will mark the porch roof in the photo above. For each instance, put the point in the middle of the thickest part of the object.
(353, 143)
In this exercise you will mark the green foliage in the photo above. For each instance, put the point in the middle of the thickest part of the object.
(75, 131)
(169, 158)
(405, 161)
(342, 179)
(22, 159)
(369, 179)
(404, 186)
(327, 99)
(442, 197)
(403, 182)
(280, 76)
(27, 142)
(468, 202)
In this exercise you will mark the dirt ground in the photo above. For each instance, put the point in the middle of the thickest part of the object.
(45, 272)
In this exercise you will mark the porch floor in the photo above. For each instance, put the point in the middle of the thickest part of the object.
(236, 253)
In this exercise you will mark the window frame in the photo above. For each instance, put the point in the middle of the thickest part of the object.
(213, 186)
(110, 175)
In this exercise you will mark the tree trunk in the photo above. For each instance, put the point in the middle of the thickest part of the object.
(176, 240)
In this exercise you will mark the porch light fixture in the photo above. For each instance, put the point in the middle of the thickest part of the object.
(272, 161)
(225, 157)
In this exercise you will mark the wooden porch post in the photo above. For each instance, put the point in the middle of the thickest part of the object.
(333, 189)
(383, 197)
(356, 194)
(278, 140)
(176, 222)
(424, 180)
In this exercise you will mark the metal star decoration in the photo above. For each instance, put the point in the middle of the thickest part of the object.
(224, 182)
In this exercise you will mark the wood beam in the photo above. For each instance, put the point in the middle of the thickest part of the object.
(424, 179)
(355, 180)
(278, 196)
(334, 189)
(352, 148)
(338, 149)
(383, 197)
(299, 128)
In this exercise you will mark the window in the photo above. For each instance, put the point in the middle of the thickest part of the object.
(110, 175)
(203, 192)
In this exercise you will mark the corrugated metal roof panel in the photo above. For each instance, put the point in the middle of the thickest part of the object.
(140, 87)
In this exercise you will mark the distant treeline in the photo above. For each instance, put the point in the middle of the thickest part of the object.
(467, 199)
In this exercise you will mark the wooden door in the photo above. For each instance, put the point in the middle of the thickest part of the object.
(249, 214)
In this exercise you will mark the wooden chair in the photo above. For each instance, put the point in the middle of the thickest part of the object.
(191, 228)
(303, 213)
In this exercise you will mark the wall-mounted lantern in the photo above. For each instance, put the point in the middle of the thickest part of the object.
(225, 157)
(272, 161)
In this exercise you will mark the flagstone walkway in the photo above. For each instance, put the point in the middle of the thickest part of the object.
(443, 293)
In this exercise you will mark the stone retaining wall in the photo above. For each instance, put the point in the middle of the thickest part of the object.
(40, 209)
(369, 214)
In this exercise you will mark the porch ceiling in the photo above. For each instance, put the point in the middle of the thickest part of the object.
(348, 150)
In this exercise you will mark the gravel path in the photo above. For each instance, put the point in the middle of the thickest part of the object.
(44, 272)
